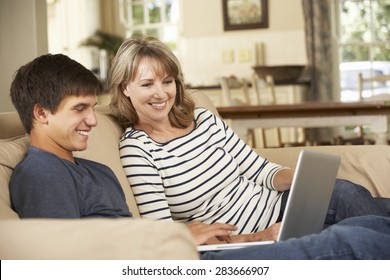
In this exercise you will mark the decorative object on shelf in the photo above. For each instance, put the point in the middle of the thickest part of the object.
(280, 73)
(259, 53)
(244, 14)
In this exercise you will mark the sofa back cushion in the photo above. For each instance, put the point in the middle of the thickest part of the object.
(12, 151)
(366, 165)
(202, 100)
(11, 125)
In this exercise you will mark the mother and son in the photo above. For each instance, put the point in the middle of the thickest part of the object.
(183, 163)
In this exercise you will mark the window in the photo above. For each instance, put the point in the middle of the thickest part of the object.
(363, 36)
(157, 18)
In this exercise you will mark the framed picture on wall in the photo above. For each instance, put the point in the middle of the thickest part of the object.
(244, 14)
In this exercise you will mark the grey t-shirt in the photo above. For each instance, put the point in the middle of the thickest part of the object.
(46, 186)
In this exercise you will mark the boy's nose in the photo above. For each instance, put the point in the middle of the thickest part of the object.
(91, 119)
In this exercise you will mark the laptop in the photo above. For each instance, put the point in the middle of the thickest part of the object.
(308, 201)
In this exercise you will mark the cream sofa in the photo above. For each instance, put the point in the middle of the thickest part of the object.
(137, 238)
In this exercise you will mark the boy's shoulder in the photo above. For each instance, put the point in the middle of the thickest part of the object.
(37, 158)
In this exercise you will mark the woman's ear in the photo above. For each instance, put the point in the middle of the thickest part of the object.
(125, 91)
(40, 114)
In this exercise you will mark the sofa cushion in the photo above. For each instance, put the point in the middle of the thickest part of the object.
(11, 125)
(202, 100)
(94, 239)
(12, 151)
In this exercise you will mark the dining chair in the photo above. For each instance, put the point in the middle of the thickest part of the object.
(379, 86)
(264, 93)
(231, 85)
(264, 89)
(235, 92)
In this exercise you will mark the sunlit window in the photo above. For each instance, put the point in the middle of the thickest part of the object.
(363, 33)
(157, 18)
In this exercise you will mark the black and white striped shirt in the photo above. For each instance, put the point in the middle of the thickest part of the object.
(209, 175)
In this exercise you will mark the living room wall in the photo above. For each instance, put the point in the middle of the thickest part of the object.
(23, 36)
(203, 18)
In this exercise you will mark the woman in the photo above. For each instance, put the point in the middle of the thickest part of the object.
(185, 164)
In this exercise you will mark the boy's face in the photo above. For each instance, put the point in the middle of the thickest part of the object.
(67, 130)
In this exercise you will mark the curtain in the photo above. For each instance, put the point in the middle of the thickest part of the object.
(319, 50)
(317, 20)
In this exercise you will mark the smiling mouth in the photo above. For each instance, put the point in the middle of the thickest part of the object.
(158, 105)
(83, 132)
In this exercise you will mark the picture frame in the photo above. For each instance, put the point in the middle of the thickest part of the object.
(244, 14)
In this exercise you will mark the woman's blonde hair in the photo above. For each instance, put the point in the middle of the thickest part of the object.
(124, 69)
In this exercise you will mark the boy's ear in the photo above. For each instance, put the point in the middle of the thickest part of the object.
(40, 114)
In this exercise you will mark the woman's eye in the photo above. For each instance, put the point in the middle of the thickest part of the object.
(169, 81)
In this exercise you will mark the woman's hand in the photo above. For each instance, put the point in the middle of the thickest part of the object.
(211, 234)
(221, 233)
(270, 233)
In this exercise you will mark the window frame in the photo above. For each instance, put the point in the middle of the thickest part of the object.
(339, 45)
(126, 18)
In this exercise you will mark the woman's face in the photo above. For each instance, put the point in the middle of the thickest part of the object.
(152, 93)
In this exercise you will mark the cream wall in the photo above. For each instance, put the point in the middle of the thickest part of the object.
(208, 52)
(203, 18)
(23, 36)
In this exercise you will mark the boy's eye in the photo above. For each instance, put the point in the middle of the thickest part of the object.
(79, 108)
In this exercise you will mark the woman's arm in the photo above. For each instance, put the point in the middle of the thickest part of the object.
(283, 179)
(221, 233)
(253, 166)
(144, 180)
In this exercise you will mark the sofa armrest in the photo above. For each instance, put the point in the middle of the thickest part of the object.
(94, 239)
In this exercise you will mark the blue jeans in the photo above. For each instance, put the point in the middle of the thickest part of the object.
(364, 237)
(351, 200)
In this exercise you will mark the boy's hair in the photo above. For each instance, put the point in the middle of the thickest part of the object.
(46, 81)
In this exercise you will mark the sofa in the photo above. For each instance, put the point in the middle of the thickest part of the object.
(137, 238)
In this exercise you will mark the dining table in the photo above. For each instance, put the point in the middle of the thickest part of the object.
(311, 115)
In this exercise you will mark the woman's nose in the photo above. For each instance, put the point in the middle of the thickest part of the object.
(159, 91)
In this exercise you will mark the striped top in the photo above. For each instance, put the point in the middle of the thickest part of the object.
(208, 175)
